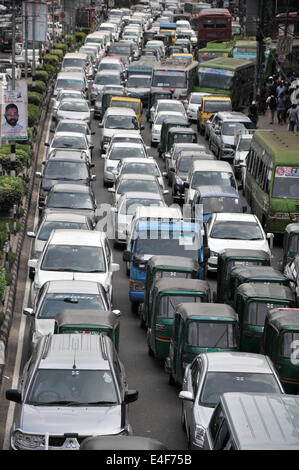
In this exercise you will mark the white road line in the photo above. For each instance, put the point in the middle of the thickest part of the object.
(16, 373)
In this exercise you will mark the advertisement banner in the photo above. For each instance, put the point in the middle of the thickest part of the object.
(37, 14)
(14, 113)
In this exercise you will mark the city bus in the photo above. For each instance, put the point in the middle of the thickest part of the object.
(272, 178)
(214, 24)
(227, 76)
(180, 78)
(215, 49)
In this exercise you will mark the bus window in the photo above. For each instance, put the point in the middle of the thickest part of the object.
(286, 182)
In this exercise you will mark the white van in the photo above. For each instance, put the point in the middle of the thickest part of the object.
(117, 120)
(71, 81)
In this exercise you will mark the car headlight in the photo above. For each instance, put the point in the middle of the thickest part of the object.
(28, 441)
(110, 168)
(227, 146)
(199, 435)
(213, 253)
(106, 139)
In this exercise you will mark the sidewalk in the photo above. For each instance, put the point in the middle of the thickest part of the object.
(264, 122)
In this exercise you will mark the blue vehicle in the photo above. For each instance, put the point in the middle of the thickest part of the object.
(212, 199)
(162, 237)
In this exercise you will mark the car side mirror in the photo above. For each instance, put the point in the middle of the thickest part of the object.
(115, 267)
(206, 253)
(92, 133)
(141, 128)
(100, 125)
(188, 396)
(91, 147)
(130, 396)
(111, 190)
(31, 234)
(28, 311)
(117, 313)
(240, 186)
(46, 144)
(32, 263)
(165, 191)
(93, 178)
(127, 255)
(38, 174)
(13, 395)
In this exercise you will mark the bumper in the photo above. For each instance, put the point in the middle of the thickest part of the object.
(213, 263)
(156, 138)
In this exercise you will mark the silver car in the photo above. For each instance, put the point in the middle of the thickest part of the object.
(69, 140)
(74, 108)
(212, 374)
(74, 386)
(76, 125)
(117, 152)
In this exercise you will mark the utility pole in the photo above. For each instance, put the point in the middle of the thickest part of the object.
(26, 40)
(33, 67)
(53, 24)
(260, 50)
(13, 85)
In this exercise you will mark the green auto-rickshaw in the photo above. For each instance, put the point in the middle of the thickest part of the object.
(178, 121)
(230, 257)
(106, 99)
(258, 274)
(198, 328)
(154, 97)
(179, 135)
(290, 243)
(160, 266)
(166, 294)
(280, 342)
(252, 302)
(89, 322)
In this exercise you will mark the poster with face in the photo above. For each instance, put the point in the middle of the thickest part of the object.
(14, 112)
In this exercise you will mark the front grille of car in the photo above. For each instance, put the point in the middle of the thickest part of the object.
(58, 441)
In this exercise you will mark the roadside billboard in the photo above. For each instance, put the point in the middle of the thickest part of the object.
(14, 113)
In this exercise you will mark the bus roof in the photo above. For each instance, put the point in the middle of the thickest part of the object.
(246, 42)
(175, 65)
(214, 12)
(227, 63)
(283, 145)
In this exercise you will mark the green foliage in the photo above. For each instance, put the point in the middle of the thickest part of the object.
(39, 87)
(2, 316)
(33, 115)
(50, 69)
(42, 75)
(5, 148)
(2, 291)
(62, 46)
(3, 238)
(80, 37)
(22, 160)
(85, 30)
(11, 191)
(35, 98)
(51, 59)
(70, 39)
(11, 258)
(57, 52)
(8, 277)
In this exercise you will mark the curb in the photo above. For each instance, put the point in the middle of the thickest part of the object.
(5, 327)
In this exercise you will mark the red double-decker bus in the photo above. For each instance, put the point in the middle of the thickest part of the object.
(214, 24)
(287, 24)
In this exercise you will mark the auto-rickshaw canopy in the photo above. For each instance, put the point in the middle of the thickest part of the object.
(258, 274)
(257, 290)
(204, 310)
(172, 262)
(168, 284)
(283, 318)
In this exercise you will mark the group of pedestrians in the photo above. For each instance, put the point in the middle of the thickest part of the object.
(276, 96)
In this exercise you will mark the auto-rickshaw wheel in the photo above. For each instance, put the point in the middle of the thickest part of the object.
(150, 351)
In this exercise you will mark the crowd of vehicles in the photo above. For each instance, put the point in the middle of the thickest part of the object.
(226, 350)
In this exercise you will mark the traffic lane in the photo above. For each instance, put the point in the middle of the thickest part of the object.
(156, 413)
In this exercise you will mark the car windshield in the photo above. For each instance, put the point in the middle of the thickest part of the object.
(244, 145)
(71, 200)
(74, 258)
(47, 228)
(139, 82)
(229, 128)
(286, 182)
(185, 163)
(55, 303)
(72, 62)
(107, 79)
(109, 66)
(220, 204)
(211, 334)
(66, 170)
(66, 83)
(64, 96)
(169, 79)
(72, 387)
(122, 122)
(236, 230)
(181, 137)
(162, 116)
(130, 205)
(141, 168)
(195, 99)
(168, 303)
(294, 243)
(217, 383)
(211, 178)
(74, 106)
(132, 185)
(153, 244)
(80, 127)
(175, 107)
(257, 311)
(118, 153)
(119, 50)
(216, 106)
(65, 141)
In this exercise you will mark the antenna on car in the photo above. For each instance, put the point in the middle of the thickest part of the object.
(75, 345)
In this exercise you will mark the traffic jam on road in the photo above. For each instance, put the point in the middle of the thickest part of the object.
(157, 208)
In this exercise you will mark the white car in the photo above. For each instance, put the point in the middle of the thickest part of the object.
(214, 373)
(242, 150)
(62, 95)
(140, 183)
(193, 104)
(157, 124)
(167, 105)
(69, 140)
(142, 166)
(74, 254)
(118, 120)
(74, 108)
(118, 152)
(232, 230)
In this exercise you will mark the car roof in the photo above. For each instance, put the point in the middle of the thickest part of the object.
(205, 309)
(259, 290)
(71, 188)
(162, 100)
(76, 237)
(148, 160)
(218, 190)
(75, 100)
(70, 75)
(68, 217)
(137, 176)
(213, 165)
(117, 110)
(72, 121)
(67, 134)
(127, 144)
(233, 116)
(235, 361)
(73, 286)
(143, 195)
(236, 216)
(65, 350)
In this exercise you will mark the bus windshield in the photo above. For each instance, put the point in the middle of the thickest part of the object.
(170, 79)
(215, 78)
(286, 182)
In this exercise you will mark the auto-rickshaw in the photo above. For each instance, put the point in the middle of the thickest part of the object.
(290, 243)
(280, 342)
(128, 102)
(161, 266)
(258, 274)
(91, 322)
(166, 125)
(198, 328)
(154, 97)
(179, 134)
(166, 295)
(230, 257)
(252, 302)
(292, 273)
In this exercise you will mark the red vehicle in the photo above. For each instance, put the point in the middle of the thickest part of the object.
(292, 21)
(214, 24)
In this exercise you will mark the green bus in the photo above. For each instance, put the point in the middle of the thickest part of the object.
(215, 49)
(272, 178)
(228, 76)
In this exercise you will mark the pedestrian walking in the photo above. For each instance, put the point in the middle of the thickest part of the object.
(288, 104)
(280, 108)
(253, 113)
(272, 103)
(292, 115)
